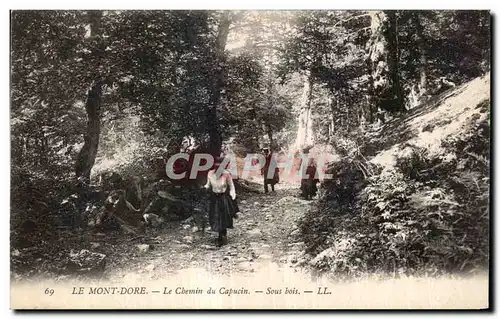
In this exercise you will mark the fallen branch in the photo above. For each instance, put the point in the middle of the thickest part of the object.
(125, 225)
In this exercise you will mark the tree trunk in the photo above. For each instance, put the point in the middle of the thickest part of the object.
(304, 132)
(86, 158)
(383, 60)
(366, 111)
(333, 107)
(269, 131)
(419, 32)
(215, 146)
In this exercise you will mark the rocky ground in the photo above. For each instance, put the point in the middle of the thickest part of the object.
(265, 232)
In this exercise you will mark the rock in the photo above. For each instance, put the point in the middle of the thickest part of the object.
(428, 128)
(294, 233)
(188, 220)
(256, 203)
(152, 220)
(246, 266)
(255, 232)
(290, 200)
(150, 267)
(86, 260)
(16, 253)
(143, 248)
(295, 226)
(301, 262)
(195, 229)
(254, 245)
(244, 201)
(184, 246)
(186, 226)
(94, 245)
(265, 246)
(62, 278)
(188, 239)
(226, 257)
(208, 247)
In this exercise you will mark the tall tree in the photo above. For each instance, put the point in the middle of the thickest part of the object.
(215, 146)
(86, 158)
(383, 58)
(420, 39)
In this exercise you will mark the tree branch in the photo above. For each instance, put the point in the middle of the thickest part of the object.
(351, 18)
(362, 29)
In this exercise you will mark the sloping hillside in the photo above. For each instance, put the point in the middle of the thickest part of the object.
(414, 197)
(443, 116)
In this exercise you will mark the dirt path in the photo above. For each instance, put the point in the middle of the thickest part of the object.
(265, 232)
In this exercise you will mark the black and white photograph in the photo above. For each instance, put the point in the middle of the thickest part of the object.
(250, 159)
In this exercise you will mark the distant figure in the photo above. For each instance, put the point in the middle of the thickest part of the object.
(308, 185)
(275, 177)
(222, 208)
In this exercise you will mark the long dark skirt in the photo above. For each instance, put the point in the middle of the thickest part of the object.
(222, 210)
(308, 188)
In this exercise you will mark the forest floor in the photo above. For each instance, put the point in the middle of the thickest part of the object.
(265, 232)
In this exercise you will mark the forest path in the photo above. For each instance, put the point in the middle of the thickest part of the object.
(265, 233)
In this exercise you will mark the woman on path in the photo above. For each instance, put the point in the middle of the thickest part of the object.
(275, 178)
(222, 207)
(308, 184)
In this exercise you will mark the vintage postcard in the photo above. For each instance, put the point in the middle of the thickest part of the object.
(232, 159)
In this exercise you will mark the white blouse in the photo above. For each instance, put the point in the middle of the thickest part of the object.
(219, 185)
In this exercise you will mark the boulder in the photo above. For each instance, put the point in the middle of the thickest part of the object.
(188, 239)
(256, 232)
(86, 261)
(143, 248)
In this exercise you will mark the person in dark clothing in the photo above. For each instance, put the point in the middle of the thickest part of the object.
(268, 178)
(222, 208)
(308, 184)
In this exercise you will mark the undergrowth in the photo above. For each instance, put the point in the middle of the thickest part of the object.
(429, 214)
